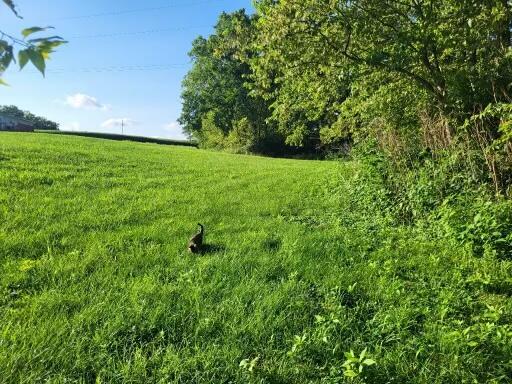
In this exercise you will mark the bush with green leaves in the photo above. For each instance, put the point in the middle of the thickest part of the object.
(242, 138)
(211, 135)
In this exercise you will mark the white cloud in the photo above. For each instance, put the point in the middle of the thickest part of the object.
(116, 123)
(72, 126)
(81, 101)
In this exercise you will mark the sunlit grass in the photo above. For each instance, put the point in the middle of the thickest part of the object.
(96, 283)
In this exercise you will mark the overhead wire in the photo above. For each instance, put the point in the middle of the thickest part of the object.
(128, 68)
(138, 10)
(110, 69)
(134, 33)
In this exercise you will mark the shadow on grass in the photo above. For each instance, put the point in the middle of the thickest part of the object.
(500, 288)
(272, 244)
(207, 249)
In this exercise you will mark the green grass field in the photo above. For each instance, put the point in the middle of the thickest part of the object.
(96, 284)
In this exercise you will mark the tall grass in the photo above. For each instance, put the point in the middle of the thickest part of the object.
(304, 278)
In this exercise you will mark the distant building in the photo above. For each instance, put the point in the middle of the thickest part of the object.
(11, 123)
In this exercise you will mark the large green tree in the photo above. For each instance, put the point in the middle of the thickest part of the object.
(317, 53)
(215, 92)
(38, 121)
(324, 72)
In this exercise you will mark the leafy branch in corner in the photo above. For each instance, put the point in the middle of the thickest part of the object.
(37, 50)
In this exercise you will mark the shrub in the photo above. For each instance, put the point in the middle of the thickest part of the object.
(242, 138)
(211, 135)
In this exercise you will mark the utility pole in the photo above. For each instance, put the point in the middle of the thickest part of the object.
(122, 126)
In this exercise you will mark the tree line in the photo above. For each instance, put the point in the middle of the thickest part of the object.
(38, 121)
(414, 76)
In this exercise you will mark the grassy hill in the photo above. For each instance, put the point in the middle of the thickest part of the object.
(96, 284)
(122, 137)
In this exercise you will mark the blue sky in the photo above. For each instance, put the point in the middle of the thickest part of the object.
(125, 61)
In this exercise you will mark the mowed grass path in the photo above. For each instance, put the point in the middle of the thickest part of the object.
(96, 283)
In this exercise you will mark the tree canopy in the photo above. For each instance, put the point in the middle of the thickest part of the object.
(216, 96)
(38, 121)
(322, 73)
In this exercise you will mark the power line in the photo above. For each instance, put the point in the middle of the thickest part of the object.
(146, 32)
(147, 9)
(14, 39)
(121, 68)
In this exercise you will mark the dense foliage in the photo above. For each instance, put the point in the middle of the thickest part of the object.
(324, 73)
(426, 85)
(38, 121)
(420, 93)
(217, 107)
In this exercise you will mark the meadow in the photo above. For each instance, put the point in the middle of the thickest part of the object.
(296, 284)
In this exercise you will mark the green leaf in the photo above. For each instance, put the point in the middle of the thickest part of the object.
(46, 39)
(47, 47)
(23, 58)
(7, 57)
(244, 363)
(350, 373)
(28, 31)
(11, 5)
(369, 362)
(2, 82)
(3, 45)
(37, 59)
